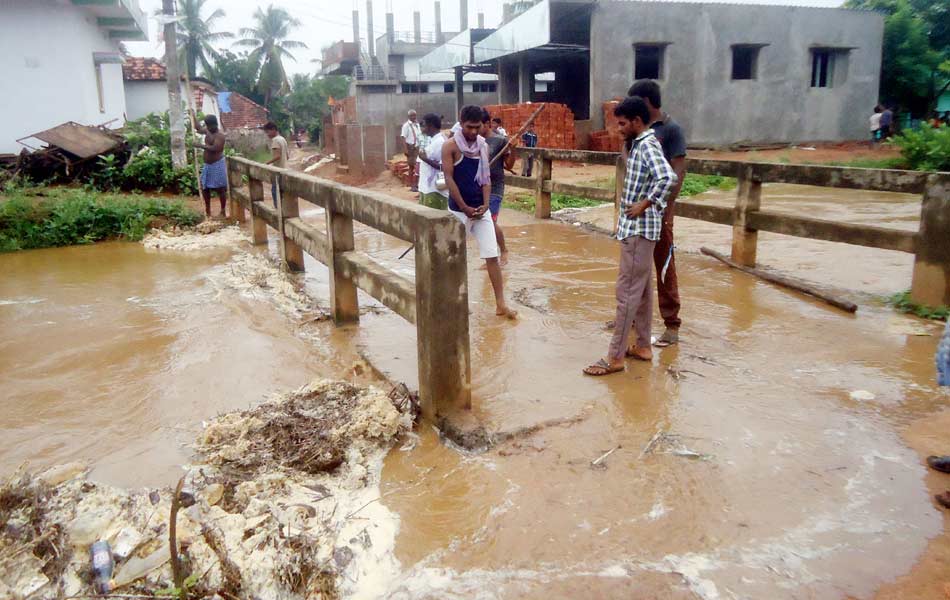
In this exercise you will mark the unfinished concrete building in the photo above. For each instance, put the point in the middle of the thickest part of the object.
(730, 73)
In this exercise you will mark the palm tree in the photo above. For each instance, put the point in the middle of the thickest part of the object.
(269, 45)
(196, 35)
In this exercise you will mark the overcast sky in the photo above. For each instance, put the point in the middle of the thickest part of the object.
(327, 21)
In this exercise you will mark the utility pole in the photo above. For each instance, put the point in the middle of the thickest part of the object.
(176, 120)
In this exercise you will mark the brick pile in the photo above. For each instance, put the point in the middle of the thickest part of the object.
(400, 169)
(554, 126)
(609, 139)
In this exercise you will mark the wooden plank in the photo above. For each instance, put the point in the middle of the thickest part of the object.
(393, 290)
(309, 238)
(788, 282)
(833, 231)
(704, 212)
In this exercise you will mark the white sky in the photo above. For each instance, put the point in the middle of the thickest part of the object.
(328, 21)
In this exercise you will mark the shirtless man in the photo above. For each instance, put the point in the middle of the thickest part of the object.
(214, 174)
(465, 164)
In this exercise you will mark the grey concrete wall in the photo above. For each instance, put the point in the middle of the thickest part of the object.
(390, 111)
(780, 105)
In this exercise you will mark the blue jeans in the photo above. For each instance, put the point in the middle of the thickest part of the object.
(494, 205)
(273, 192)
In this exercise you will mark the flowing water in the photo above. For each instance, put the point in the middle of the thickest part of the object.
(740, 464)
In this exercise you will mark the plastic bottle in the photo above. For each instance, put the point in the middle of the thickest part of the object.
(102, 566)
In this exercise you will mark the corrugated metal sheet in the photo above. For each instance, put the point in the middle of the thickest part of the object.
(83, 141)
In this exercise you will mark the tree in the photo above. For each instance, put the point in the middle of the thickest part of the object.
(196, 35)
(269, 46)
(916, 65)
(307, 101)
(236, 73)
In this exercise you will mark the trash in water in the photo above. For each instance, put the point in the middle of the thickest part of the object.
(861, 395)
(102, 566)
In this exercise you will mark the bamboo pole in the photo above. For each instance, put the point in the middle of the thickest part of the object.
(194, 128)
(518, 134)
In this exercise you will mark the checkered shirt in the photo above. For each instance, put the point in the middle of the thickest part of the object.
(649, 177)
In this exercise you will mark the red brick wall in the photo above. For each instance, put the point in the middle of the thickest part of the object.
(554, 126)
(244, 113)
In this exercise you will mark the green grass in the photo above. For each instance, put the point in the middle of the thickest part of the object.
(902, 302)
(46, 217)
(697, 184)
(524, 201)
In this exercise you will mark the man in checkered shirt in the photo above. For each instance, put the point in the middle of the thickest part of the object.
(647, 184)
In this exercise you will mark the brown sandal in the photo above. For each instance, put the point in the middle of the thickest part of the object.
(601, 368)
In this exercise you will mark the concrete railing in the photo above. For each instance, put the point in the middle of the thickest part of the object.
(437, 302)
(930, 245)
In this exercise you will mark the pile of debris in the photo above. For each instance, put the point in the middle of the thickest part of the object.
(71, 153)
(268, 513)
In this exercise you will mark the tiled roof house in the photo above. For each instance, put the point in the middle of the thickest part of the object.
(244, 112)
(146, 90)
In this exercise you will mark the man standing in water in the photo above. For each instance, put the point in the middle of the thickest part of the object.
(646, 186)
(673, 142)
(214, 174)
(465, 164)
(496, 141)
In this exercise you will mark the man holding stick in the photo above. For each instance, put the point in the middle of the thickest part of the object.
(214, 174)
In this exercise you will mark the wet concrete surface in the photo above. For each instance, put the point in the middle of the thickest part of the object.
(766, 478)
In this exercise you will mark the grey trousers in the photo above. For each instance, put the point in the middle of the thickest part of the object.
(634, 295)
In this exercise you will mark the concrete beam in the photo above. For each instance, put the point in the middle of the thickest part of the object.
(821, 229)
(390, 288)
(704, 212)
(931, 283)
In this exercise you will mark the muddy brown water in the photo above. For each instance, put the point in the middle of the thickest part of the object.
(766, 478)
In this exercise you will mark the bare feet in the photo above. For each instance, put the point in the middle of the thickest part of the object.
(638, 353)
(504, 258)
(504, 311)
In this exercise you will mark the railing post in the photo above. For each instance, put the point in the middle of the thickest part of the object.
(234, 181)
(343, 300)
(542, 199)
(931, 282)
(442, 319)
(288, 208)
(748, 199)
(255, 191)
(620, 173)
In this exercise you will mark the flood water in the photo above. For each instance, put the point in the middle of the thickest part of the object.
(765, 477)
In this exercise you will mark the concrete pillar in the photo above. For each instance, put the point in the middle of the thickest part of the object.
(288, 207)
(442, 319)
(931, 283)
(525, 79)
(508, 92)
(356, 28)
(417, 27)
(390, 30)
(459, 92)
(438, 23)
(748, 199)
(370, 35)
(481, 20)
(255, 189)
(463, 15)
(237, 209)
(542, 198)
(343, 299)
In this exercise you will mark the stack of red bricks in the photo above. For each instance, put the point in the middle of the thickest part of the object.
(554, 126)
(609, 139)
(400, 169)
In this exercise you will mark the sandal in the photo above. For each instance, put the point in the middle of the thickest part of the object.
(601, 368)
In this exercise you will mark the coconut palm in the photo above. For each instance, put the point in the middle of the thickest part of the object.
(269, 46)
(196, 35)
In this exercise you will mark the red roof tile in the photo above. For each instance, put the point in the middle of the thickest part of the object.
(244, 113)
(137, 68)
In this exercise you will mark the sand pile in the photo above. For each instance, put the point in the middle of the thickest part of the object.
(285, 507)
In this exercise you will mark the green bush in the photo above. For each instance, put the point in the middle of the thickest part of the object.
(902, 302)
(926, 148)
(75, 216)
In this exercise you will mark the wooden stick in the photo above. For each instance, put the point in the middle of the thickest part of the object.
(784, 282)
(177, 575)
(518, 135)
(194, 128)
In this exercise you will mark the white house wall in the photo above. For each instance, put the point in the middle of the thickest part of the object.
(46, 57)
(145, 97)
